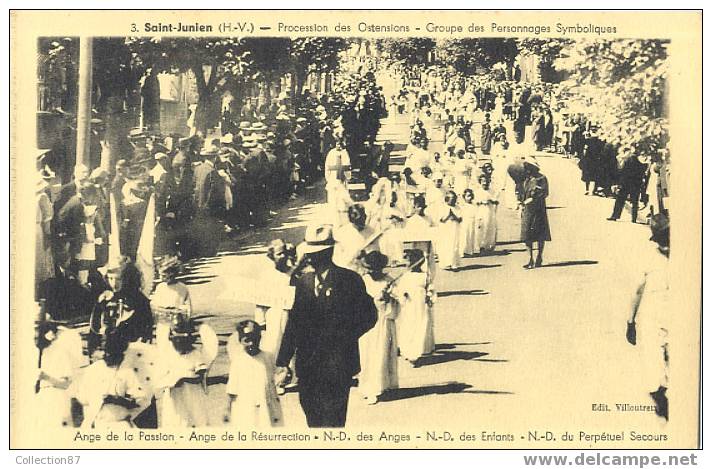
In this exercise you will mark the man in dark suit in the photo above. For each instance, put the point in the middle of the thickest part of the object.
(209, 185)
(330, 312)
(630, 183)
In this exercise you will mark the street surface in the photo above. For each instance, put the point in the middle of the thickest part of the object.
(515, 347)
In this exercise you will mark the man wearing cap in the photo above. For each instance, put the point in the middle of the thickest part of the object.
(209, 186)
(331, 311)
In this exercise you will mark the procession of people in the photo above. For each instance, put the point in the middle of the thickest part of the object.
(350, 304)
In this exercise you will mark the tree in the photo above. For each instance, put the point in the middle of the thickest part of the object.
(548, 50)
(268, 59)
(468, 55)
(314, 54)
(409, 51)
(214, 62)
(621, 83)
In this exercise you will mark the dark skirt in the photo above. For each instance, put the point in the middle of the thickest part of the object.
(535, 223)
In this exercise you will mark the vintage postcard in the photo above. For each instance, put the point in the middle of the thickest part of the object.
(355, 229)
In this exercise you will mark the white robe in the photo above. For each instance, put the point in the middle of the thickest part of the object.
(99, 380)
(486, 232)
(378, 347)
(251, 380)
(467, 230)
(448, 242)
(60, 360)
(350, 242)
(415, 329)
(184, 405)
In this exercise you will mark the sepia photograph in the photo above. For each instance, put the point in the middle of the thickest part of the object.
(375, 236)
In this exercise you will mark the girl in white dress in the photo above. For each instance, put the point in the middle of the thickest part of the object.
(60, 358)
(486, 201)
(183, 375)
(468, 227)
(252, 394)
(354, 239)
(415, 321)
(283, 257)
(171, 296)
(378, 348)
(111, 394)
(448, 243)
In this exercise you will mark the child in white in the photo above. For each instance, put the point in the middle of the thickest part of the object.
(486, 201)
(377, 347)
(415, 321)
(448, 243)
(469, 224)
(252, 394)
(184, 371)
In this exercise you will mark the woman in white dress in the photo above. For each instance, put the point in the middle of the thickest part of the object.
(252, 394)
(60, 358)
(486, 201)
(354, 239)
(377, 347)
(469, 223)
(448, 243)
(283, 257)
(415, 295)
(183, 375)
(171, 297)
(111, 394)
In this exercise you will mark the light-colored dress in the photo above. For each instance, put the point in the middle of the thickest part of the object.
(378, 347)
(60, 360)
(486, 232)
(275, 316)
(182, 382)
(415, 329)
(467, 229)
(349, 244)
(251, 381)
(99, 380)
(44, 262)
(448, 242)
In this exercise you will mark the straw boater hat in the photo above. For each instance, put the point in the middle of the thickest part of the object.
(245, 125)
(317, 238)
(137, 133)
(227, 139)
(258, 127)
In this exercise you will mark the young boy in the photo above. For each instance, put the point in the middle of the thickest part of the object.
(251, 390)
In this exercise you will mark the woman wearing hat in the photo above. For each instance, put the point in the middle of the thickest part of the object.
(171, 296)
(122, 308)
(415, 320)
(378, 348)
(535, 223)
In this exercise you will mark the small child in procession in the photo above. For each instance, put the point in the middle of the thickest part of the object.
(378, 348)
(415, 295)
(171, 297)
(469, 224)
(252, 393)
(486, 201)
(185, 367)
(448, 243)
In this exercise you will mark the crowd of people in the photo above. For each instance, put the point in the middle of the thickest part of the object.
(346, 303)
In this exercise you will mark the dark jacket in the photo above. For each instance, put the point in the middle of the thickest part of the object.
(209, 188)
(324, 330)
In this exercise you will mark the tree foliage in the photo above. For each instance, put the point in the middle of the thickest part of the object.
(622, 84)
(408, 51)
(467, 56)
(315, 54)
